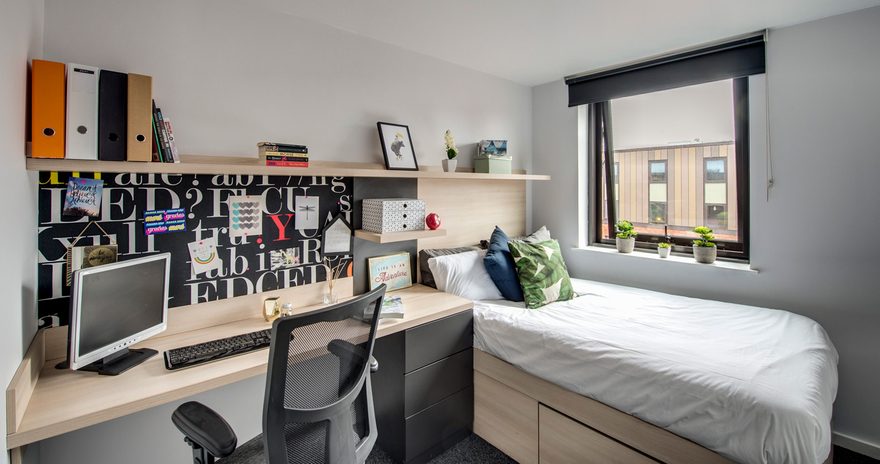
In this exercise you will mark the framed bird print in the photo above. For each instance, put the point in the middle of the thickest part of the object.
(397, 147)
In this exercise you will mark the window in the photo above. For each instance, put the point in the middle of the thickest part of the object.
(657, 192)
(715, 194)
(676, 156)
(672, 132)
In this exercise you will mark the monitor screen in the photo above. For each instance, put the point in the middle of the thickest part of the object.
(117, 301)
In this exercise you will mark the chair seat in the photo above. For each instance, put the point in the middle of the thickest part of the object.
(248, 453)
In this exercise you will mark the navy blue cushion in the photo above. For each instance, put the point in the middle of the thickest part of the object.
(501, 268)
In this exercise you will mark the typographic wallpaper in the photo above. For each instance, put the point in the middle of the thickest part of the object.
(265, 230)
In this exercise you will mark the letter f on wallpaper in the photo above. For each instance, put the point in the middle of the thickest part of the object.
(282, 227)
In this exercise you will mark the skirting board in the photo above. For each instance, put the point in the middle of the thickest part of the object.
(854, 444)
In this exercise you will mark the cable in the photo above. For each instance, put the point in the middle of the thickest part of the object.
(767, 121)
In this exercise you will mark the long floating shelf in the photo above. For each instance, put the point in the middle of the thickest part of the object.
(194, 164)
(389, 237)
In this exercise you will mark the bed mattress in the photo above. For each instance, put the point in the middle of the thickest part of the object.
(755, 385)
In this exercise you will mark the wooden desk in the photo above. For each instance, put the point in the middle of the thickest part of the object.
(63, 400)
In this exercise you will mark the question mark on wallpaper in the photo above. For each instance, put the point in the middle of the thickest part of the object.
(193, 192)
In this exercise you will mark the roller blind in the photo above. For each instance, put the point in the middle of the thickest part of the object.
(734, 58)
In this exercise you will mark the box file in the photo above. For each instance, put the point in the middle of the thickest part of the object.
(112, 115)
(82, 112)
(140, 118)
(47, 109)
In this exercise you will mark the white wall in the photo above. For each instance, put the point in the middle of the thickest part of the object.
(230, 74)
(21, 28)
(811, 239)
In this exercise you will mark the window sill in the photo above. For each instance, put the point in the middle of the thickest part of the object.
(673, 258)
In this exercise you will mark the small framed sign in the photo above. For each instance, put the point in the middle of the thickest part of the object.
(397, 147)
(391, 270)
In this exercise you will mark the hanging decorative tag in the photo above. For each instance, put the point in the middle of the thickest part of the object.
(81, 257)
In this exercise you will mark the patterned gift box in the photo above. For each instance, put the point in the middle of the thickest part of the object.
(382, 215)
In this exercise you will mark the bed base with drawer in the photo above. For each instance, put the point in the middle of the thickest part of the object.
(532, 420)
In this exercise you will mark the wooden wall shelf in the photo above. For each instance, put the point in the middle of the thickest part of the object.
(194, 164)
(390, 237)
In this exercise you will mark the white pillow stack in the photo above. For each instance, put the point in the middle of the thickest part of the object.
(464, 274)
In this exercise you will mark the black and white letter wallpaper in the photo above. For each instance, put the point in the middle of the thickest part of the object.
(251, 264)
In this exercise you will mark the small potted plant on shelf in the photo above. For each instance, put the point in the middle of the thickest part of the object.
(450, 163)
(704, 247)
(626, 236)
(663, 249)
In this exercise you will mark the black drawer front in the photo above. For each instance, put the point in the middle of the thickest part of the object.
(436, 340)
(436, 381)
(442, 420)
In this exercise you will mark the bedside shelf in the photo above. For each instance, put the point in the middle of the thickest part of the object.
(390, 237)
(196, 164)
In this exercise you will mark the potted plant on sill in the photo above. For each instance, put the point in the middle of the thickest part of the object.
(704, 247)
(626, 236)
(663, 249)
(450, 163)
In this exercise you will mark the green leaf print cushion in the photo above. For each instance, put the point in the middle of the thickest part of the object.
(542, 272)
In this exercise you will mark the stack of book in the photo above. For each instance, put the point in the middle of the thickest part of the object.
(164, 148)
(392, 308)
(284, 154)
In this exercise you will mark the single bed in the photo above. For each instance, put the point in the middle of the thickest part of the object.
(753, 385)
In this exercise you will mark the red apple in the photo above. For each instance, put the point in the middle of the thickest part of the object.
(432, 220)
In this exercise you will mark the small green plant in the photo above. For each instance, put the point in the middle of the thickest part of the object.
(625, 229)
(707, 238)
(664, 245)
(451, 150)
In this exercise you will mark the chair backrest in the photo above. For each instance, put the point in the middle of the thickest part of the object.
(319, 404)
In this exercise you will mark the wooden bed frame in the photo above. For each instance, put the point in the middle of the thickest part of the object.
(533, 420)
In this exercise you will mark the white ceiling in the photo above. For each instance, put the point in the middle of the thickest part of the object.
(536, 41)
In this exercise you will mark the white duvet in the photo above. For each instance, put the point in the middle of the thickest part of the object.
(753, 384)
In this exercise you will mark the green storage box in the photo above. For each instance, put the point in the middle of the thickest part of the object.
(492, 165)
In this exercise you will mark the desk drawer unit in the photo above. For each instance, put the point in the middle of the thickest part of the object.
(424, 388)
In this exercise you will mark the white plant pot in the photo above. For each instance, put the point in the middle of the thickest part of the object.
(705, 255)
(663, 252)
(449, 165)
(626, 245)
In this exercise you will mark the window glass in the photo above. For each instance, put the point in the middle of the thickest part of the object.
(658, 171)
(715, 171)
(674, 157)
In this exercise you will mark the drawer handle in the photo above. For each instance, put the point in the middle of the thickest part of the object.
(404, 226)
(404, 205)
(404, 215)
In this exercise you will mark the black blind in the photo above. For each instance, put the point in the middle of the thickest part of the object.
(736, 58)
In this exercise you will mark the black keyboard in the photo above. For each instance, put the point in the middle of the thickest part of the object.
(214, 350)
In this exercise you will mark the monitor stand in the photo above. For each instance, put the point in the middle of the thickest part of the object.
(120, 361)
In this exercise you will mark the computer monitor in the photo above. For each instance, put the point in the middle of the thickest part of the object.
(114, 306)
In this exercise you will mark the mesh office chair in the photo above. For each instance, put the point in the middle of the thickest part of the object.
(318, 406)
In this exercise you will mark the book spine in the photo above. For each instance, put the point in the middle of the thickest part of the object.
(175, 156)
(163, 136)
(285, 148)
(157, 133)
(288, 164)
(285, 156)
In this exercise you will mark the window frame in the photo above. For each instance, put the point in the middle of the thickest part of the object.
(602, 148)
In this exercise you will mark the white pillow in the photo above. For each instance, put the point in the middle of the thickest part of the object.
(463, 274)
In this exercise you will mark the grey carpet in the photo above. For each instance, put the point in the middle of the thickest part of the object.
(471, 450)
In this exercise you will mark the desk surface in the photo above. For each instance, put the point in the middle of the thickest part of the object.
(65, 400)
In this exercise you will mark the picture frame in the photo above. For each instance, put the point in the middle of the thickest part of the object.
(394, 139)
(392, 270)
(337, 238)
